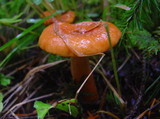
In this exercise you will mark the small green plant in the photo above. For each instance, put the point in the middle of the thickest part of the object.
(42, 109)
(69, 106)
(5, 80)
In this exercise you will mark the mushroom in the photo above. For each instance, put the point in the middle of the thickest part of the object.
(79, 41)
(68, 17)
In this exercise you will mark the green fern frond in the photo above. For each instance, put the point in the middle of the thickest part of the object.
(144, 41)
(139, 24)
(143, 14)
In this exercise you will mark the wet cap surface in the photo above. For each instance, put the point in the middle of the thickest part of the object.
(81, 39)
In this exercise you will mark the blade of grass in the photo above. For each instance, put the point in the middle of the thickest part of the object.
(20, 28)
(113, 61)
(22, 43)
(15, 19)
(35, 7)
(153, 93)
(47, 5)
(153, 84)
(26, 32)
(74, 4)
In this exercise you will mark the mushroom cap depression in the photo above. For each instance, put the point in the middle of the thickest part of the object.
(81, 39)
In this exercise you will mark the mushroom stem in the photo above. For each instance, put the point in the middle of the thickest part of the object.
(80, 69)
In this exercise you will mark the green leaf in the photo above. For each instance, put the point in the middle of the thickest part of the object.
(1, 104)
(5, 80)
(42, 109)
(70, 106)
(37, 2)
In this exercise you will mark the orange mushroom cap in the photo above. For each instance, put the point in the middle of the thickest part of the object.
(81, 39)
(68, 17)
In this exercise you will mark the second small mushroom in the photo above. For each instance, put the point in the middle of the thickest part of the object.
(67, 17)
(79, 41)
